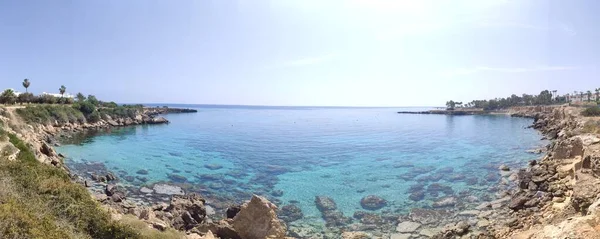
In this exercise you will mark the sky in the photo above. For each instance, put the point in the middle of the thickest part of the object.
(300, 52)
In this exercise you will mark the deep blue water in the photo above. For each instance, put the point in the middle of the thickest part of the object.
(343, 153)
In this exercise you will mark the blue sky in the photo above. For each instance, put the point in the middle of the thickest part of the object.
(300, 52)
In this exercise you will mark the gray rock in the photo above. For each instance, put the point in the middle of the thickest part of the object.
(146, 190)
(408, 227)
(373, 202)
(168, 189)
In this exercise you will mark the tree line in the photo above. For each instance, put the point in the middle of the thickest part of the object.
(545, 97)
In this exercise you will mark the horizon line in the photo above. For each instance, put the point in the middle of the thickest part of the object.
(306, 106)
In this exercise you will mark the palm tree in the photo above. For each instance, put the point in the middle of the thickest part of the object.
(62, 90)
(597, 94)
(581, 95)
(589, 95)
(26, 84)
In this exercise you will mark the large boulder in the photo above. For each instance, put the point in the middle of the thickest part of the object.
(257, 219)
(158, 120)
(373, 202)
(569, 148)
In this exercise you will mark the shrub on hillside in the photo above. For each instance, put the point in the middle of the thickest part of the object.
(47, 99)
(125, 111)
(85, 107)
(592, 111)
(40, 201)
(8, 97)
(25, 98)
(49, 114)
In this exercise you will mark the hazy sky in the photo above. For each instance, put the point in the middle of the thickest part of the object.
(300, 52)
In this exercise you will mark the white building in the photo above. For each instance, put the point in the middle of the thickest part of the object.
(66, 95)
(578, 97)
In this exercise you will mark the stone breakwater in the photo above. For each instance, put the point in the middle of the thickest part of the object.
(558, 195)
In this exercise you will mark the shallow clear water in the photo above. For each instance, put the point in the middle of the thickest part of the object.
(343, 153)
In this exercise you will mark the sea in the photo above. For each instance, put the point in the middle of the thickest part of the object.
(291, 155)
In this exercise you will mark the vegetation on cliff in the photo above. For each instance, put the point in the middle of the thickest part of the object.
(591, 111)
(86, 111)
(40, 201)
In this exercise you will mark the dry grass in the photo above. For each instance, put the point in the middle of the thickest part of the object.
(40, 201)
(592, 127)
(147, 232)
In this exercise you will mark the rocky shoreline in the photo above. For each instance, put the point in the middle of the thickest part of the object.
(185, 212)
(530, 202)
(557, 196)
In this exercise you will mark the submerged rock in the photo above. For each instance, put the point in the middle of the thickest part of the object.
(329, 212)
(373, 202)
(142, 172)
(428, 216)
(325, 203)
(445, 202)
(177, 178)
(290, 213)
(368, 218)
(213, 166)
(417, 196)
(257, 219)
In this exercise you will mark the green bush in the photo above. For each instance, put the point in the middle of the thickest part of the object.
(48, 114)
(122, 111)
(8, 97)
(592, 111)
(85, 107)
(47, 99)
(46, 204)
(25, 98)
(94, 117)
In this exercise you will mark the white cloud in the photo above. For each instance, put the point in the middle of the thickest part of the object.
(474, 70)
(567, 29)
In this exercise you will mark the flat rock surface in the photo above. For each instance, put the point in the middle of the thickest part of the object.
(408, 226)
(400, 236)
(168, 189)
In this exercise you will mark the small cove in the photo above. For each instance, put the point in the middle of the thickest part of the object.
(293, 154)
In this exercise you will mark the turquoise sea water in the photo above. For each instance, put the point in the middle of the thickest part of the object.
(227, 152)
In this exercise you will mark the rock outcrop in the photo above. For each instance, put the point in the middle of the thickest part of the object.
(558, 193)
(257, 219)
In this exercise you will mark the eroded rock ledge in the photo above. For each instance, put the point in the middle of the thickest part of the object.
(558, 195)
